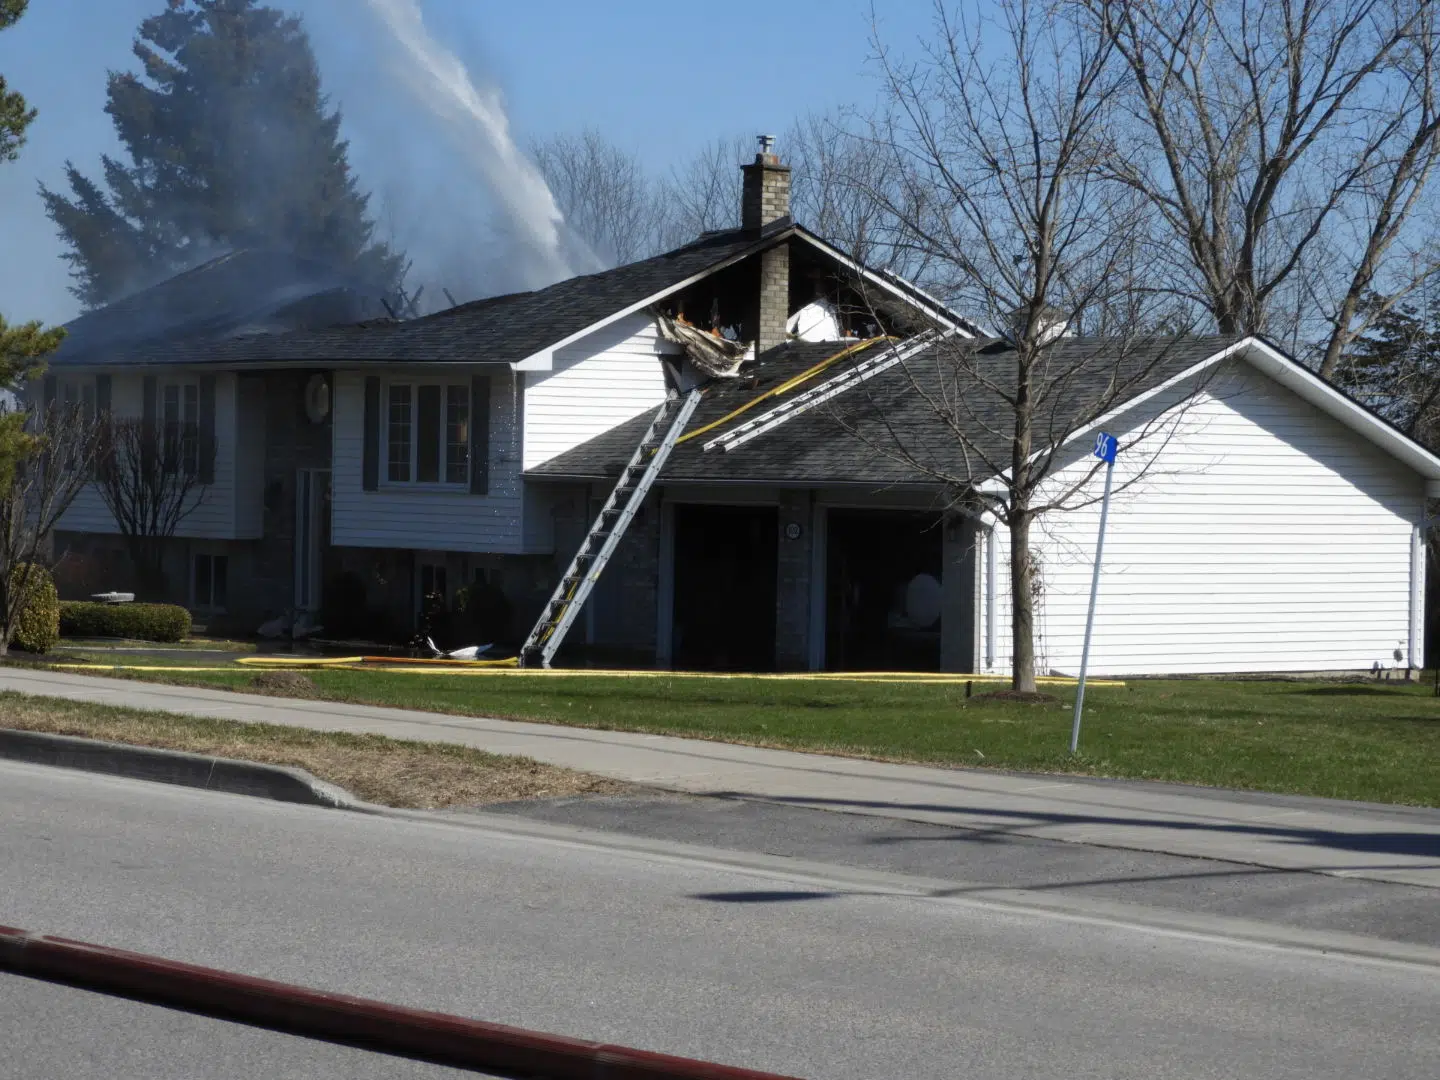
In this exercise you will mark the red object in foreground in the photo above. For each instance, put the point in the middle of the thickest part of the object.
(374, 1025)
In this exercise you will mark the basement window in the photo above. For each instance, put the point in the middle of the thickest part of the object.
(427, 433)
(210, 588)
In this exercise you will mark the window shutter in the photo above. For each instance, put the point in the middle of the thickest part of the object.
(370, 479)
(480, 435)
(102, 418)
(207, 429)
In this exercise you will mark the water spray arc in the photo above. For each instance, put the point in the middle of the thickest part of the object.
(476, 122)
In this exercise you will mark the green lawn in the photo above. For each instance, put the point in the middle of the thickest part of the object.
(1370, 741)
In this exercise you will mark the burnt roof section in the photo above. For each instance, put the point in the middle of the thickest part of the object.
(836, 443)
(242, 292)
(496, 329)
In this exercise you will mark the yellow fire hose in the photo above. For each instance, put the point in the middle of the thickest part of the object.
(784, 387)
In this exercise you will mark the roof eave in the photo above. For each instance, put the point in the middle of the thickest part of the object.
(543, 359)
(1308, 386)
(906, 292)
(1283, 369)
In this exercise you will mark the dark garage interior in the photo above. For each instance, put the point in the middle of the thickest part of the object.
(725, 566)
(882, 591)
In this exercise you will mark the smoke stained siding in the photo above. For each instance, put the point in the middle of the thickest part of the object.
(225, 510)
(1269, 537)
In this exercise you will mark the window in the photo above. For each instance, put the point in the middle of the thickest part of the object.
(457, 435)
(427, 433)
(400, 441)
(432, 581)
(210, 585)
(79, 393)
(180, 426)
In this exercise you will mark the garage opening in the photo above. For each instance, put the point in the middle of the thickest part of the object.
(882, 591)
(725, 566)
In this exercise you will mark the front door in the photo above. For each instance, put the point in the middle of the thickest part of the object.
(312, 535)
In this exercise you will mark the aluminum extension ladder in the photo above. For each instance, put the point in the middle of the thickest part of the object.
(604, 536)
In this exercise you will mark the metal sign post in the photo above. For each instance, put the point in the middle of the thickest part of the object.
(1105, 447)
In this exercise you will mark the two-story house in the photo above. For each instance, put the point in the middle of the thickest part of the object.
(1285, 532)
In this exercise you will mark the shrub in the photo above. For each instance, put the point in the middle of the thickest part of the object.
(37, 623)
(143, 622)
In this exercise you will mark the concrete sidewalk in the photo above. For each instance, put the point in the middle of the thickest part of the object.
(1325, 836)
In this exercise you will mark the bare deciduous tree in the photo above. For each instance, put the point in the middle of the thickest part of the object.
(704, 194)
(603, 192)
(1286, 146)
(999, 139)
(56, 460)
(151, 479)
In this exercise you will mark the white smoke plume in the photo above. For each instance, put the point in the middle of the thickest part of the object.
(476, 122)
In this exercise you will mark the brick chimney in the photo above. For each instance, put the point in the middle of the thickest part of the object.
(765, 199)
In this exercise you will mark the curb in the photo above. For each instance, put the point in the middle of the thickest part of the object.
(371, 1025)
(278, 782)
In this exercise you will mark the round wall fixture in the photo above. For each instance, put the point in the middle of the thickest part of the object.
(317, 398)
(792, 531)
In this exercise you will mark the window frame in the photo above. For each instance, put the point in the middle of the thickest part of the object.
(447, 386)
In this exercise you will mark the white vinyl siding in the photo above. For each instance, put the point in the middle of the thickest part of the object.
(597, 383)
(215, 516)
(1267, 537)
(426, 517)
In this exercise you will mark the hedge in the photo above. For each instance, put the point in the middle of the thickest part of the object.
(142, 622)
(37, 623)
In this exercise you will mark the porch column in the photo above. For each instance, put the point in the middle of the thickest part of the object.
(792, 584)
(957, 595)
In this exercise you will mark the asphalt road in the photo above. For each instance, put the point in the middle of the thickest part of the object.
(58, 1031)
(1012, 860)
(1348, 840)
(741, 962)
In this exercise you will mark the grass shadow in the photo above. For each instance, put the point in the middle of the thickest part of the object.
(1352, 691)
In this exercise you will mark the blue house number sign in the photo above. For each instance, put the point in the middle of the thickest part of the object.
(1105, 447)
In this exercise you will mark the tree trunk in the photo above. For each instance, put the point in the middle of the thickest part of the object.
(1339, 338)
(1022, 605)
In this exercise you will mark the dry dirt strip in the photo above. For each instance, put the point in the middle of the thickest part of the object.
(375, 768)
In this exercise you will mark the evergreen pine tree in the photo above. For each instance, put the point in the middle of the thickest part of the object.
(231, 144)
(1395, 369)
(24, 347)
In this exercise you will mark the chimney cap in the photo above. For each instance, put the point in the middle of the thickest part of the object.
(767, 143)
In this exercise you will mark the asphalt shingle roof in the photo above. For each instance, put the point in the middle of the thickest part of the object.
(497, 329)
(836, 443)
(215, 300)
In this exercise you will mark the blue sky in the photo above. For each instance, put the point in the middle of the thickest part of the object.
(659, 77)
